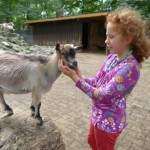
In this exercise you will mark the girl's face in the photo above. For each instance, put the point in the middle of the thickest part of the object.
(116, 43)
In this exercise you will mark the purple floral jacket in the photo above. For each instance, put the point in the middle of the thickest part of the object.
(109, 91)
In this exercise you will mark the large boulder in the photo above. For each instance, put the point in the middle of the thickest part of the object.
(19, 132)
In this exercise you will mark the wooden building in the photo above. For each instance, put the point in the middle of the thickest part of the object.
(85, 29)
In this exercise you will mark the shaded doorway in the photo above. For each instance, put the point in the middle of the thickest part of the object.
(85, 35)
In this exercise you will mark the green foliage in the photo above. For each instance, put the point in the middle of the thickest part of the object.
(83, 6)
(141, 5)
(18, 11)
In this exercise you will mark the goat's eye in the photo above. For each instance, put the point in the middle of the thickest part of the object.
(64, 53)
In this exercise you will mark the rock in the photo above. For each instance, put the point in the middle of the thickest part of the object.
(19, 132)
(6, 44)
(11, 41)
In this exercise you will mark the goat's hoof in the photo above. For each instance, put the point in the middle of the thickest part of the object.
(32, 114)
(39, 121)
(9, 112)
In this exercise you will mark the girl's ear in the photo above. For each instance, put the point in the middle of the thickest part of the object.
(129, 39)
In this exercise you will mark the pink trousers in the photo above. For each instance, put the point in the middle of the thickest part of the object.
(101, 140)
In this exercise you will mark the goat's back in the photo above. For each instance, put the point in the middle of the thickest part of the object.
(20, 71)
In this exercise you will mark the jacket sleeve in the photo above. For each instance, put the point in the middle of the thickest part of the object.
(126, 77)
(93, 81)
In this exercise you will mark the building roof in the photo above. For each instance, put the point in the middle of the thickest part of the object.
(82, 16)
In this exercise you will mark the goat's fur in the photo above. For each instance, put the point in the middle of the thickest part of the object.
(21, 74)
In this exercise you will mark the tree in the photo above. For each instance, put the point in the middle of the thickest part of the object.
(18, 11)
(141, 5)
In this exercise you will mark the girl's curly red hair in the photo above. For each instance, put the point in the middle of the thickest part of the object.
(130, 23)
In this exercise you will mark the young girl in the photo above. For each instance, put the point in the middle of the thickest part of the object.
(128, 46)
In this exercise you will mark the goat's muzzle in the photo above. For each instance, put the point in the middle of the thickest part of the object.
(73, 65)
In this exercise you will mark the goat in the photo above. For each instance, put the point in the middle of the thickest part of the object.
(20, 74)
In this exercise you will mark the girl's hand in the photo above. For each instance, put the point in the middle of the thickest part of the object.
(68, 71)
(79, 73)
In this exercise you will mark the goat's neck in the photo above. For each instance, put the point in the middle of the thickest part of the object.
(53, 69)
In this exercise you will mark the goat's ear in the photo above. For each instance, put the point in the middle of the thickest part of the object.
(57, 47)
(78, 47)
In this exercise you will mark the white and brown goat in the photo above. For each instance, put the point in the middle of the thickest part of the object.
(20, 74)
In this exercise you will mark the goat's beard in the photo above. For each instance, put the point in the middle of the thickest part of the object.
(69, 64)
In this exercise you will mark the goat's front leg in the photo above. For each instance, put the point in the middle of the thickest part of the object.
(32, 110)
(4, 105)
(35, 107)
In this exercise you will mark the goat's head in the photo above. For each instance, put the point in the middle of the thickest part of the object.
(68, 54)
